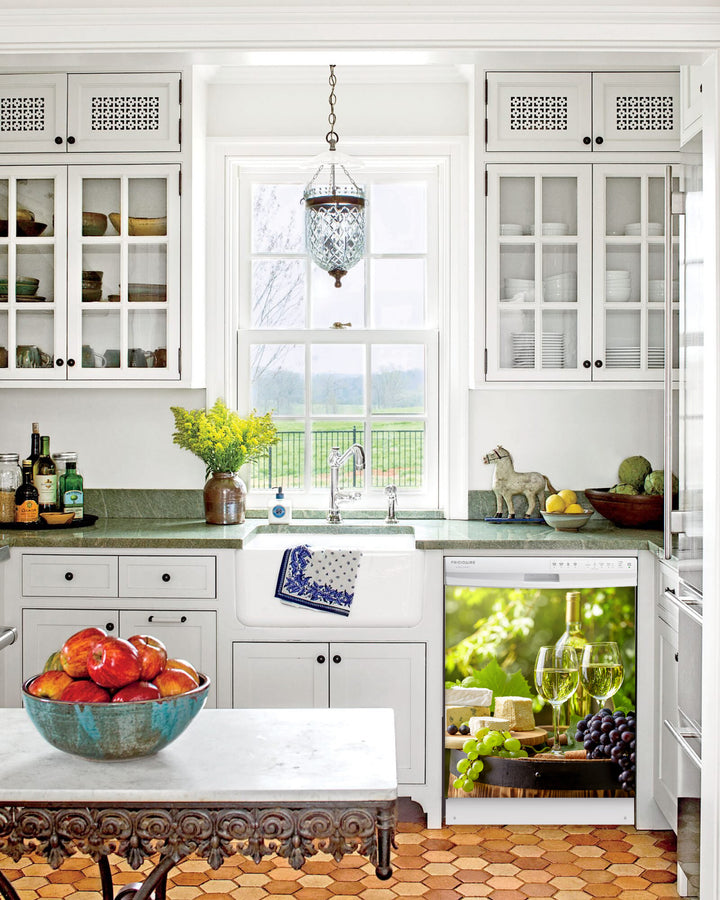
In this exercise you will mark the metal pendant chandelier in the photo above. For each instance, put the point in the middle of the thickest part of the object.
(334, 209)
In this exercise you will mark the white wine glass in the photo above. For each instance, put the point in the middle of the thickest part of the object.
(601, 670)
(556, 679)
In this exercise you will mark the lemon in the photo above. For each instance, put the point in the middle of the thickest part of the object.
(554, 504)
(574, 508)
(568, 496)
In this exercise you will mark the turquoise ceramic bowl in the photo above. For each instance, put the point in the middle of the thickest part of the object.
(106, 731)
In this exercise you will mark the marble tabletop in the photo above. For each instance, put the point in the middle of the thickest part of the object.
(224, 756)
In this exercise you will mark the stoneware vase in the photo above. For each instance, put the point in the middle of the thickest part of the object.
(224, 495)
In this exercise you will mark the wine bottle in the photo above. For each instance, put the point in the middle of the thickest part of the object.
(72, 490)
(34, 446)
(27, 511)
(580, 702)
(45, 477)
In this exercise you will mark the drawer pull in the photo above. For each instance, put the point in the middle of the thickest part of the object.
(158, 621)
(321, 659)
(69, 576)
(110, 626)
(337, 658)
(165, 577)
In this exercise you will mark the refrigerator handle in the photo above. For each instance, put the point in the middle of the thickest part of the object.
(668, 423)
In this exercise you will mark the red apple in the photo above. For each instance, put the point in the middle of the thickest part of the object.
(153, 655)
(75, 651)
(138, 690)
(174, 681)
(185, 666)
(53, 663)
(85, 691)
(113, 663)
(50, 684)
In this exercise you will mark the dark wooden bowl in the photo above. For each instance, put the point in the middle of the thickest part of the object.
(627, 510)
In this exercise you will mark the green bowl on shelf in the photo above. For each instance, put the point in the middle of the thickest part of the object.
(24, 286)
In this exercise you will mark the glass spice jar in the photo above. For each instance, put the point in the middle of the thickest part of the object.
(10, 479)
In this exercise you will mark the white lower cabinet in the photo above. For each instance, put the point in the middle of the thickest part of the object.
(667, 752)
(290, 674)
(187, 634)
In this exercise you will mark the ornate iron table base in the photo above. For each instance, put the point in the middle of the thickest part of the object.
(212, 832)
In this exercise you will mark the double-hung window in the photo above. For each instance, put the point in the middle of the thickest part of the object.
(338, 366)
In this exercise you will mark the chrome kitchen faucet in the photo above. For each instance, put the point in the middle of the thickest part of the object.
(335, 461)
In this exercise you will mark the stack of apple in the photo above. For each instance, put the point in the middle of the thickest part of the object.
(94, 667)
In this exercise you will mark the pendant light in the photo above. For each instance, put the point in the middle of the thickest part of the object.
(334, 208)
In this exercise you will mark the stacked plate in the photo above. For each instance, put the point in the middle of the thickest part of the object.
(560, 288)
(519, 289)
(523, 350)
(555, 228)
(617, 285)
(656, 357)
(656, 290)
(622, 358)
(654, 229)
(510, 229)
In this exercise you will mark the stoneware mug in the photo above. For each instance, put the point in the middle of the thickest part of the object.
(27, 356)
(3, 357)
(160, 358)
(112, 358)
(91, 359)
(139, 358)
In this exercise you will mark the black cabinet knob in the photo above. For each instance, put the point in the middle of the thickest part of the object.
(58, 140)
(71, 363)
(59, 362)
(587, 140)
(71, 140)
(586, 363)
(598, 364)
(677, 658)
(321, 659)
(337, 658)
(69, 576)
(110, 626)
(598, 140)
(165, 577)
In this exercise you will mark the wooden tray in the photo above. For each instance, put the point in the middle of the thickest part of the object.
(530, 738)
(86, 521)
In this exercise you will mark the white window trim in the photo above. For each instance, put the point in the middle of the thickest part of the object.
(455, 203)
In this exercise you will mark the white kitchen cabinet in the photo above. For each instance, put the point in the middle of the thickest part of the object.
(351, 674)
(582, 111)
(106, 302)
(575, 273)
(79, 113)
(690, 102)
(187, 634)
(69, 575)
(666, 748)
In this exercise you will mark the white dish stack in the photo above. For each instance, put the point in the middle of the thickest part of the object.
(622, 357)
(656, 357)
(519, 289)
(654, 229)
(560, 288)
(656, 290)
(523, 350)
(617, 285)
(555, 228)
(511, 229)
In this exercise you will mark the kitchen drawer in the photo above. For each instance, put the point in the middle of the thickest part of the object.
(69, 576)
(167, 576)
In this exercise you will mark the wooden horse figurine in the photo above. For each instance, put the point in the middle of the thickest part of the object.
(507, 482)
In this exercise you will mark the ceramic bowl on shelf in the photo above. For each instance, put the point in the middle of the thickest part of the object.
(24, 286)
(140, 227)
(567, 521)
(26, 228)
(104, 731)
(93, 224)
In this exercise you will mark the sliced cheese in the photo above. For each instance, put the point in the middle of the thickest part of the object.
(461, 715)
(518, 710)
(477, 723)
(460, 696)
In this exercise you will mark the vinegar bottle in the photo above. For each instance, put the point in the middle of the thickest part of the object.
(26, 498)
(580, 702)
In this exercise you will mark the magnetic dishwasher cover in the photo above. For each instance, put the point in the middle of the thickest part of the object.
(500, 610)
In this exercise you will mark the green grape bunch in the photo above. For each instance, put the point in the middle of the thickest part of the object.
(484, 743)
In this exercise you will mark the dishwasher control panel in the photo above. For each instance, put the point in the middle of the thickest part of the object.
(539, 571)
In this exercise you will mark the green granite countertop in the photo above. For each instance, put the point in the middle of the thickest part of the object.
(430, 534)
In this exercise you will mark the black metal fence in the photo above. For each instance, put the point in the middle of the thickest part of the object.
(396, 456)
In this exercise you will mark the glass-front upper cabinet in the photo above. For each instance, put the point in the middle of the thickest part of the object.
(629, 273)
(123, 273)
(539, 267)
(32, 273)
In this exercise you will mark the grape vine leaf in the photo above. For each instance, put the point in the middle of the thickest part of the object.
(500, 682)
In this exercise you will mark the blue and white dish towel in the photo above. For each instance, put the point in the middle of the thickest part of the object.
(318, 579)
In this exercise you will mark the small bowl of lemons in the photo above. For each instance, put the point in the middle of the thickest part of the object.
(563, 513)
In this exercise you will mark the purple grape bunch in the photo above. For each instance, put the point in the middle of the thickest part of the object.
(611, 735)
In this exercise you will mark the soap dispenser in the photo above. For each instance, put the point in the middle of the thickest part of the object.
(280, 509)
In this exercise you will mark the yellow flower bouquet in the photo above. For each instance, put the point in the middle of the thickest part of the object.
(224, 440)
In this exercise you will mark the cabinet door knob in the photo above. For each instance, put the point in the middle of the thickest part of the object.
(587, 140)
(165, 577)
(71, 362)
(598, 140)
(586, 363)
(58, 140)
(71, 140)
(677, 658)
(69, 576)
(598, 364)
(337, 658)
(109, 626)
(59, 362)
(321, 659)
